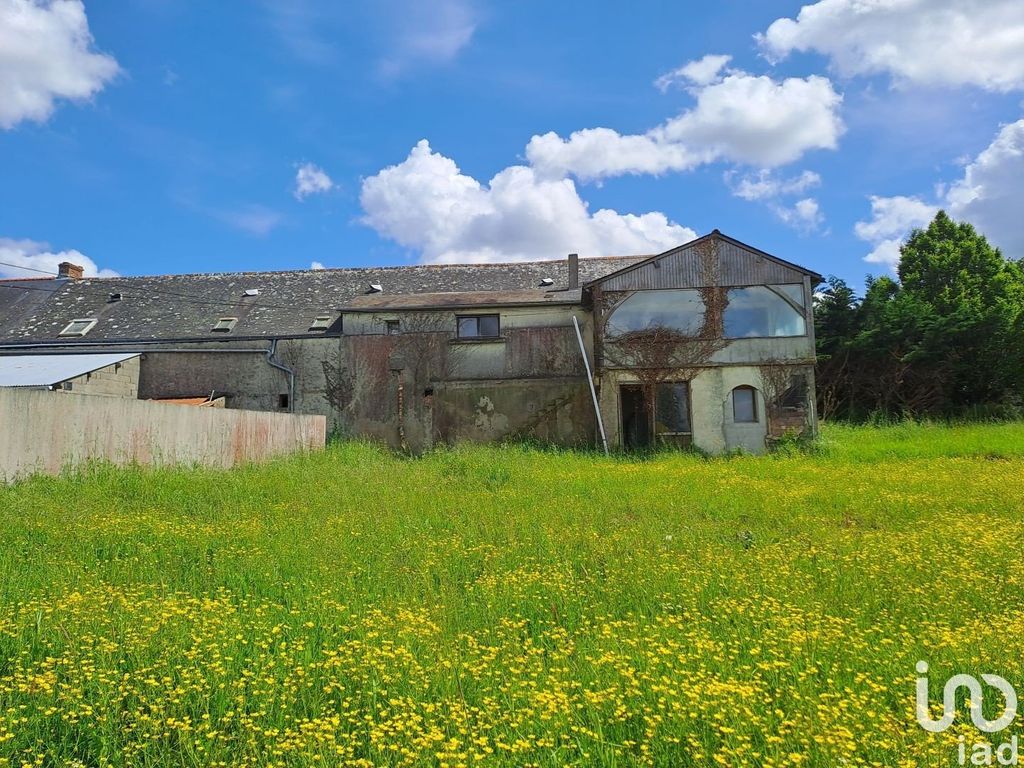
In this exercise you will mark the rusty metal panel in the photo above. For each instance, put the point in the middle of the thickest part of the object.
(681, 268)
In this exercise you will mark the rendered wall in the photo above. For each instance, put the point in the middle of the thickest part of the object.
(47, 431)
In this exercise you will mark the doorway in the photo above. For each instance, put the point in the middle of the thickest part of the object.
(636, 417)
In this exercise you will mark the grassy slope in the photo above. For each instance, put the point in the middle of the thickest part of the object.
(501, 606)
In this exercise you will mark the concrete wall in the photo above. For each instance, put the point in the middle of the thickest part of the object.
(117, 380)
(557, 411)
(47, 431)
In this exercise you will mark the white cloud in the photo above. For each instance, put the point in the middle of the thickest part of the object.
(46, 54)
(804, 215)
(743, 118)
(311, 180)
(433, 32)
(703, 71)
(37, 257)
(991, 193)
(317, 265)
(928, 42)
(764, 185)
(892, 218)
(426, 203)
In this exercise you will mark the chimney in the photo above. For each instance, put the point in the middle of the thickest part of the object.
(574, 270)
(69, 271)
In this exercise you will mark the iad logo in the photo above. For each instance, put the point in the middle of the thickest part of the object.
(982, 753)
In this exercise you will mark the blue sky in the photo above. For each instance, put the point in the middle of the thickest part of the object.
(152, 136)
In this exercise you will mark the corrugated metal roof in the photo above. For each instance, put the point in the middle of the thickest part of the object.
(47, 370)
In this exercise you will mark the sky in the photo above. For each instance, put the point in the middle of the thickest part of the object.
(171, 136)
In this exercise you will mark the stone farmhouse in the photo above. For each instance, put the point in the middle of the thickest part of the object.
(709, 344)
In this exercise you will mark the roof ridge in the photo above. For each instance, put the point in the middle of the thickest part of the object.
(328, 270)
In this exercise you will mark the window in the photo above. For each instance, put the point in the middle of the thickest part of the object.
(282, 402)
(744, 405)
(794, 397)
(392, 327)
(78, 327)
(681, 310)
(672, 409)
(320, 322)
(762, 311)
(225, 324)
(478, 326)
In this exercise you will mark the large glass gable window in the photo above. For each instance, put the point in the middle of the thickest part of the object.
(681, 310)
(763, 311)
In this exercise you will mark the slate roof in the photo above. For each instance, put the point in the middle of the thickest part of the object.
(185, 307)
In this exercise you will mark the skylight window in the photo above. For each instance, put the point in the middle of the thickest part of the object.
(79, 327)
(376, 288)
(225, 324)
(545, 282)
(252, 291)
(320, 322)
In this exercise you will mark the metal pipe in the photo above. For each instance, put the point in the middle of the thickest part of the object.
(590, 380)
(290, 373)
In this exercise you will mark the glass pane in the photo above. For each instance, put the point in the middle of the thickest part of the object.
(743, 409)
(467, 327)
(795, 396)
(794, 292)
(672, 411)
(681, 310)
(488, 325)
(758, 312)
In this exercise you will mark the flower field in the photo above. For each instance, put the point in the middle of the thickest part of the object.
(514, 607)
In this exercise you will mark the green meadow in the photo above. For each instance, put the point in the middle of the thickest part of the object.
(511, 606)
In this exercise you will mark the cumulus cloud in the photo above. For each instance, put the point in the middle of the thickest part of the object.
(769, 188)
(317, 265)
(741, 118)
(32, 258)
(991, 195)
(46, 54)
(891, 220)
(929, 42)
(765, 185)
(703, 71)
(310, 179)
(426, 203)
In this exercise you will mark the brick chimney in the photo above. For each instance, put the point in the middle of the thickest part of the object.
(69, 271)
(574, 270)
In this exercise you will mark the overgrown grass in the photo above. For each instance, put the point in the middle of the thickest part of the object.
(511, 606)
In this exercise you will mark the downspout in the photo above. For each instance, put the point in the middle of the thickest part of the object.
(590, 380)
(288, 371)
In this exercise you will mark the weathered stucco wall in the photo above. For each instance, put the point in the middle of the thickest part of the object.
(47, 431)
(557, 411)
(117, 380)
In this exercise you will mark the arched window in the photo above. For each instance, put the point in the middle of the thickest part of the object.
(763, 311)
(744, 405)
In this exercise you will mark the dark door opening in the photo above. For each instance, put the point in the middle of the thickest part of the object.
(636, 417)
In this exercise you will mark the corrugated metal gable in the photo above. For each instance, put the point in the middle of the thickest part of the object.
(681, 268)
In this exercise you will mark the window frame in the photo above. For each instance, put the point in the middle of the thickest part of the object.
(772, 288)
(392, 327)
(755, 411)
(689, 410)
(228, 328)
(320, 323)
(90, 323)
(477, 318)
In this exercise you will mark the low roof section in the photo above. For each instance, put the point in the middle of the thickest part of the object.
(40, 371)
